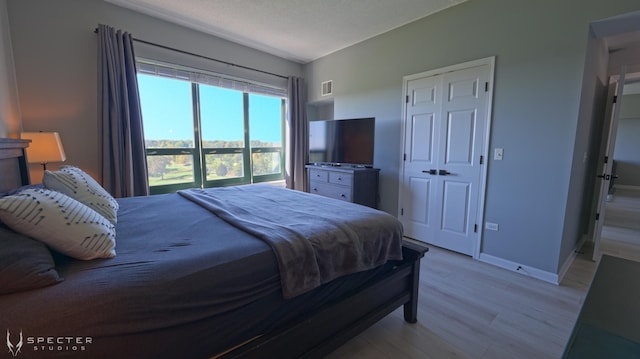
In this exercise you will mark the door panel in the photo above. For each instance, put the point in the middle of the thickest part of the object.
(466, 109)
(610, 143)
(418, 213)
(463, 88)
(417, 187)
(424, 93)
(460, 137)
(456, 196)
(421, 133)
(420, 187)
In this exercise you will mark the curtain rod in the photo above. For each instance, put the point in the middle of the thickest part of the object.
(203, 57)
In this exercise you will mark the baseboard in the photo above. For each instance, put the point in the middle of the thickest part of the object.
(519, 268)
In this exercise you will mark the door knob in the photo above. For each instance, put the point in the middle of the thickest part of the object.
(431, 172)
(444, 173)
(607, 177)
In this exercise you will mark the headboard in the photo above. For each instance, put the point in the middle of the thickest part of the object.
(14, 171)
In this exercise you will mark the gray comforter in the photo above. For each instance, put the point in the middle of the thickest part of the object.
(315, 239)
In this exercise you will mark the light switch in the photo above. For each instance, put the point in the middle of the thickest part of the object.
(497, 154)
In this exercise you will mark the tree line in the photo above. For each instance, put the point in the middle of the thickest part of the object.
(178, 168)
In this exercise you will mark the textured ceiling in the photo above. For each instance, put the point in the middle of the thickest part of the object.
(298, 30)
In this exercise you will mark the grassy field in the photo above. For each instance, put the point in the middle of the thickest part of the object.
(177, 173)
(174, 174)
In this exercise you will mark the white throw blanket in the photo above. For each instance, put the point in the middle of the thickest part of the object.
(315, 239)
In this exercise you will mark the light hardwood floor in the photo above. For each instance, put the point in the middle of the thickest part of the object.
(469, 309)
(621, 230)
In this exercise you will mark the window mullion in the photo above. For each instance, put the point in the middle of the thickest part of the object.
(283, 144)
(248, 157)
(199, 165)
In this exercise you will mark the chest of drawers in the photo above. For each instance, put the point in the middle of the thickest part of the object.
(351, 184)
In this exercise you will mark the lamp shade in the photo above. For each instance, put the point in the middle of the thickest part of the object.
(45, 147)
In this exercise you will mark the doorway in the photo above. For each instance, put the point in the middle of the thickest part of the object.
(620, 234)
(613, 53)
(446, 121)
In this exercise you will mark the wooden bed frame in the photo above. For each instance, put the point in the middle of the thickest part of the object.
(314, 335)
(325, 330)
(13, 163)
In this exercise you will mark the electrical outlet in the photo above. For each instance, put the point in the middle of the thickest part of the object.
(491, 226)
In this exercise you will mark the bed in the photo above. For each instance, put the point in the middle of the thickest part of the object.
(200, 286)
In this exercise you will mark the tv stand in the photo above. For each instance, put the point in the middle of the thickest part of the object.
(351, 183)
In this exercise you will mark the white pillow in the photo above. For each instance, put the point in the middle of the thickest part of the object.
(61, 222)
(80, 186)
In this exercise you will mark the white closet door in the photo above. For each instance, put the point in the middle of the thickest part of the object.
(444, 122)
(422, 125)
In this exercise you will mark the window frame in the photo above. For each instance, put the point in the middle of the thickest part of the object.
(198, 152)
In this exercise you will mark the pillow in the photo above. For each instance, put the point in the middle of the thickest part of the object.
(20, 189)
(61, 222)
(80, 186)
(24, 263)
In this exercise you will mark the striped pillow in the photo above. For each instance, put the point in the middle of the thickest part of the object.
(80, 186)
(60, 222)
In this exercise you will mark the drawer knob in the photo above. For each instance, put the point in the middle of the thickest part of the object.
(315, 190)
(343, 195)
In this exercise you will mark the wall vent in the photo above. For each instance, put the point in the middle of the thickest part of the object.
(327, 88)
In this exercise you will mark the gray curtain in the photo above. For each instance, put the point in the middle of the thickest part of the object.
(124, 164)
(298, 134)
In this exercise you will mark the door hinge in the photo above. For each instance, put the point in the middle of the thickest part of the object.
(475, 228)
(481, 159)
(486, 87)
(597, 216)
(606, 159)
(404, 157)
(615, 99)
(402, 211)
(407, 99)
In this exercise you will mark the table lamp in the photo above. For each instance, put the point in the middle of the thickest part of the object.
(45, 147)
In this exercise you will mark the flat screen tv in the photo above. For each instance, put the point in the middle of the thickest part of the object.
(342, 142)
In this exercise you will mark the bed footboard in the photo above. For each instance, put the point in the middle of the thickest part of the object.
(412, 253)
(323, 331)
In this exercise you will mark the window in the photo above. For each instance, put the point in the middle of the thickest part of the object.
(201, 134)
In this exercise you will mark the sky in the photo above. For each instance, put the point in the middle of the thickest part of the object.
(167, 112)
